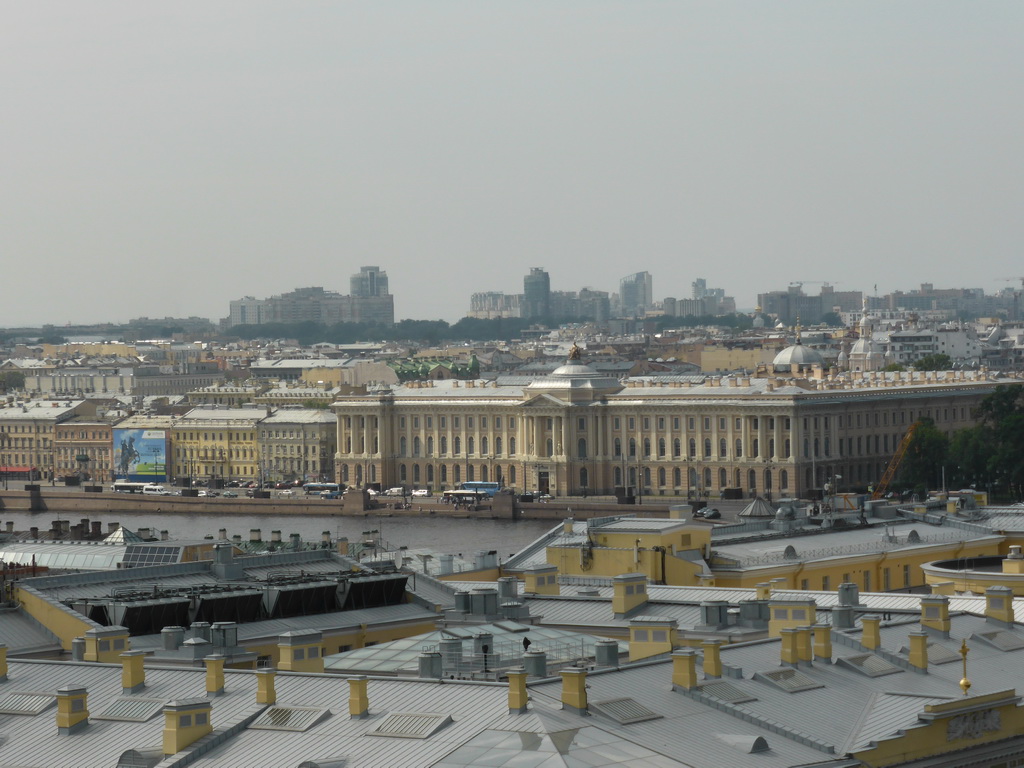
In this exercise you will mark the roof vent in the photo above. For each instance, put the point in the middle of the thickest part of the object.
(411, 725)
(749, 744)
(296, 719)
(789, 680)
(624, 711)
(868, 664)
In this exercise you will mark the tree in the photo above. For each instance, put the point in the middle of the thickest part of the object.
(893, 368)
(12, 380)
(934, 362)
(925, 456)
(832, 320)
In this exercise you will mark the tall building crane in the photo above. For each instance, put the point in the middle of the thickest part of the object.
(894, 464)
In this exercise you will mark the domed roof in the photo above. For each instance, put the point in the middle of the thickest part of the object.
(576, 376)
(797, 354)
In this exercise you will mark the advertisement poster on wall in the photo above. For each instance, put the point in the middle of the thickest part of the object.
(140, 455)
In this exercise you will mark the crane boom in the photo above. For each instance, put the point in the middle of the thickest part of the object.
(894, 464)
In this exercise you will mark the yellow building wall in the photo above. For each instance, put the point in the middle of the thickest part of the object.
(487, 574)
(933, 738)
(65, 623)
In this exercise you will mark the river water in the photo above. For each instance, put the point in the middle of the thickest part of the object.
(443, 535)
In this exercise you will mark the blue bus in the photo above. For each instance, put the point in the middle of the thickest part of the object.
(481, 487)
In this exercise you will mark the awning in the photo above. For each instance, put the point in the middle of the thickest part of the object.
(17, 469)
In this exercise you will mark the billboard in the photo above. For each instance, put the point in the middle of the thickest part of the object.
(140, 455)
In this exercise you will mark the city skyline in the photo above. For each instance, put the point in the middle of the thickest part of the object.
(166, 161)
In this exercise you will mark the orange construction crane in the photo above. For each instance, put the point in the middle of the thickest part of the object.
(894, 465)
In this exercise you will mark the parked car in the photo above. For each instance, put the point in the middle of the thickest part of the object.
(286, 492)
(421, 492)
(707, 514)
(229, 495)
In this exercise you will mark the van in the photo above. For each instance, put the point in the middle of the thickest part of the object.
(155, 490)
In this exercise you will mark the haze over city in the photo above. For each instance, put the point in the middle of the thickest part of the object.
(162, 160)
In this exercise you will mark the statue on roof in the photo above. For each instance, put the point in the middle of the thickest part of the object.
(574, 352)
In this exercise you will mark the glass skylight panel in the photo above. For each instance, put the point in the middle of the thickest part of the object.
(297, 719)
(25, 703)
(789, 680)
(131, 709)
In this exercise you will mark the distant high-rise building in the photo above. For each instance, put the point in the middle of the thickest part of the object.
(536, 294)
(488, 305)
(636, 294)
(369, 281)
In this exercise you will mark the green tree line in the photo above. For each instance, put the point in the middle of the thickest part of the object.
(987, 456)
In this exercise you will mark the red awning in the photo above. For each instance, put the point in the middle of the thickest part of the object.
(17, 469)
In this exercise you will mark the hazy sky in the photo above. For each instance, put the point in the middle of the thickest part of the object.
(164, 158)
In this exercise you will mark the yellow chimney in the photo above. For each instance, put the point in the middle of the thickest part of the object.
(871, 636)
(804, 645)
(542, 580)
(265, 691)
(72, 709)
(763, 590)
(823, 642)
(629, 592)
(790, 614)
(684, 668)
(301, 651)
(106, 644)
(712, 658)
(133, 671)
(651, 636)
(787, 651)
(215, 674)
(919, 650)
(517, 695)
(1014, 562)
(935, 613)
(185, 722)
(999, 604)
(3, 662)
(358, 702)
(574, 689)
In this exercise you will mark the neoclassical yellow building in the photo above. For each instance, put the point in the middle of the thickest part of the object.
(577, 432)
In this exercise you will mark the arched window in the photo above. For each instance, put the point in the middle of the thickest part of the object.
(456, 474)
(483, 474)
(809, 478)
(512, 475)
(677, 477)
(359, 475)
(723, 449)
(344, 473)
(470, 473)
(497, 446)
(707, 478)
(470, 446)
(617, 447)
(786, 451)
(483, 446)
(828, 446)
(739, 447)
(707, 447)
(430, 473)
(444, 473)
(677, 448)
(511, 446)
(402, 446)
(457, 443)
(771, 448)
(647, 446)
(691, 477)
(661, 446)
(784, 479)
(444, 445)
(807, 448)
(618, 476)
(550, 448)
(738, 483)
(416, 446)
(581, 448)
(647, 477)
(401, 473)
(373, 473)
(584, 477)
(756, 448)
(693, 448)
(752, 480)
(430, 446)
(415, 473)
(661, 477)
(348, 446)
(632, 476)
(632, 447)
(767, 480)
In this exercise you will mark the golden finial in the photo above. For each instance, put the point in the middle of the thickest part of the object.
(965, 684)
(574, 352)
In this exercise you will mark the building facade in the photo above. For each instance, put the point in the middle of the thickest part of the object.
(577, 432)
(217, 444)
(298, 444)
